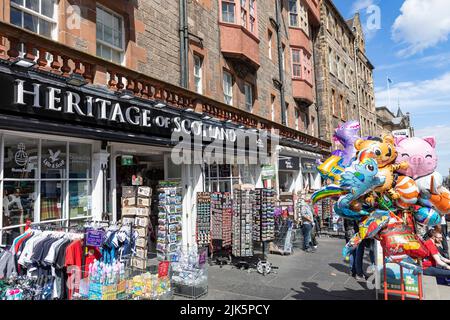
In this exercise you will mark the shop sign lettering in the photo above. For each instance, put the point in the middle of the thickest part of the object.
(109, 111)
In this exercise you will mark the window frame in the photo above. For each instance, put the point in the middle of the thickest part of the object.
(269, 36)
(244, 13)
(333, 102)
(65, 181)
(54, 20)
(199, 77)
(229, 95)
(252, 17)
(229, 2)
(298, 64)
(272, 105)
(248, 88)
(122, 51)
(294, 14)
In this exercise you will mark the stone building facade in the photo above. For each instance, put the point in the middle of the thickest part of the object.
(344, 74)
(390, 123)
(364, 81)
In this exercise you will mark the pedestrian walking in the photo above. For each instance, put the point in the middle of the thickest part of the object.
(359, 258)
(307, 225)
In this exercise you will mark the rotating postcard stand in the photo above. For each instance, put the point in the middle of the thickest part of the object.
(221, 220)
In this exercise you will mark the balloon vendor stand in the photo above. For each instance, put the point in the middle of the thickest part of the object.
(403, 292)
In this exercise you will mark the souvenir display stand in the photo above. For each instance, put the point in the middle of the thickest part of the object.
(169, 221)
(136, 212)
(203, 219)
(190, 273)
(243, 206)
(221, 222)
(264, 225)
(282, 243)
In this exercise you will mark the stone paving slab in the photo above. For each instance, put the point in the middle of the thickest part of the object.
(301, 276)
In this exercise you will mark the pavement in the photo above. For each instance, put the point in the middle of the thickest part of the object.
(322, 275)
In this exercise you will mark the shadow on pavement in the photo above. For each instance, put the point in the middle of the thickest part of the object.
(311, 291)
(340, 267)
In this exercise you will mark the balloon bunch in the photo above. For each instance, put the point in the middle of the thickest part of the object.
(388, 185)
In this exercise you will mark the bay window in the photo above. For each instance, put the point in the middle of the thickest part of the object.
(293, 13)
(246, 13)
(298, 15)
(228, 7)
(296, 63)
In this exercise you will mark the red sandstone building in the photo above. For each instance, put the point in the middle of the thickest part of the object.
(231, 64)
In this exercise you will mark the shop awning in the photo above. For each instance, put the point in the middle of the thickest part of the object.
(298, 152)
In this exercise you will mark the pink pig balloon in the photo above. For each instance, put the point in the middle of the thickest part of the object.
(419, 153)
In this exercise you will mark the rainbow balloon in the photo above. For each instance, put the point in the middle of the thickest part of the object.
(328, 191)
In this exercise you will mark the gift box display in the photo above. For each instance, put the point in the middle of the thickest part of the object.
(135, 210)
(243, 207)
(169, 220)
(263, 217)
(221, 217)
(203, 218)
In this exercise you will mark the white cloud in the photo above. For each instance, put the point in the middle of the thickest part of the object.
(366, 9)
(442, 134)
(440, 60)
(359, 5)
(432, 95)
(425, 99)
(421, 25)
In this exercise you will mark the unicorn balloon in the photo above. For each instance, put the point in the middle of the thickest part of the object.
(346, 134)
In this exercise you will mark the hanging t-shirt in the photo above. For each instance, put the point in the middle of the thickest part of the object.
(93, 254)
(74, 254)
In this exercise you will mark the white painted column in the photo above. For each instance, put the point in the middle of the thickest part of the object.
(185, 185)
(317, 181)
(197, 186)
(99, 159)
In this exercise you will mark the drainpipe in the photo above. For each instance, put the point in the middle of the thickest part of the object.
(280, 60)
(355, 48)
(184, 44)
(315, 35)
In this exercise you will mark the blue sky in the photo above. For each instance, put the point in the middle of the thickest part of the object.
(411, 47)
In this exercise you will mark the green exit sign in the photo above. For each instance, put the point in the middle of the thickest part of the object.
(127, 160)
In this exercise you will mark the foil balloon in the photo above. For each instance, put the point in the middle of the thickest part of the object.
(399, 241)
(346, 134)
(388, 188)
(427, 216)
(386, 155)
(408, 192)
(358, 179)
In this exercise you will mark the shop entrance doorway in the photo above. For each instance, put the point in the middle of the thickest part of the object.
(134, 166)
